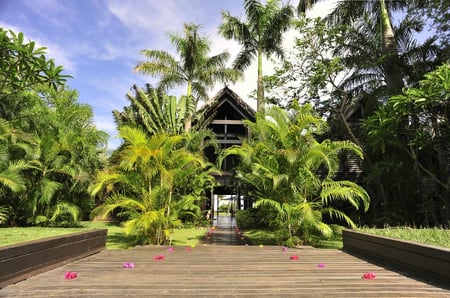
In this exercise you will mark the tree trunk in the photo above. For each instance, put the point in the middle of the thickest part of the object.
(393, 73)
(188, 120)
(260, 105)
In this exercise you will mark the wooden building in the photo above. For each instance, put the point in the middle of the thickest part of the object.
(227, 112)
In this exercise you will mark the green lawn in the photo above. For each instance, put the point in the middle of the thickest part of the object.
(432, 236)
(191, 236)
(115, 240)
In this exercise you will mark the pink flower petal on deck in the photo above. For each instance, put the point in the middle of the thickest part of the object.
(188, 248)
(170, 249)
(294, 258)
(284, 249)
(128, 265)
(321, 265)
(369, 275)
(70, 275)
(158, 257)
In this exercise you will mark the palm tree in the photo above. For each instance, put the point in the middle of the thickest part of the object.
(348, 12)
(12, 141)
(287, 169)
(194, 68)
(65, 158)
(153, 182)
(261, 34)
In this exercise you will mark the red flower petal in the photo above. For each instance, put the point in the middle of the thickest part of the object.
(294, 257)
(70, 275)
(159, 257)
(369, 275)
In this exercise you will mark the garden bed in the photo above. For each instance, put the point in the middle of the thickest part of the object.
(424, 261)
(20, 261)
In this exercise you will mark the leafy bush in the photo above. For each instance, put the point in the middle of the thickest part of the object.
(246, 219)
(254, 218)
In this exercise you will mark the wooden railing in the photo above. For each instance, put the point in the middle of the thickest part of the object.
(427, 262)
(20, 261)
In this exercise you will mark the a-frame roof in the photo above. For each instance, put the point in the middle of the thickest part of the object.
(228, 96)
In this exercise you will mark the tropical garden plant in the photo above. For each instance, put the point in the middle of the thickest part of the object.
(49, 145)
(286, 168)
(193, 68)
(415, 125)
(343, 65)
(154, 183)
(260, 34)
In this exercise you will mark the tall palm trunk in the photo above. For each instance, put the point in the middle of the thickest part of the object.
(389, 46)
(188, 123)
(260, 104)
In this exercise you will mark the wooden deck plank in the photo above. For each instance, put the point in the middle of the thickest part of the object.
(222, 271)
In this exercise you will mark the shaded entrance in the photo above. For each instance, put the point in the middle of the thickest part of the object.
(224, 221)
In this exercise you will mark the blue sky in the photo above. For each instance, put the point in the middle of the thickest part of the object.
(98, 42)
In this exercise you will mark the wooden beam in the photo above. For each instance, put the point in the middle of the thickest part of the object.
(229, 122)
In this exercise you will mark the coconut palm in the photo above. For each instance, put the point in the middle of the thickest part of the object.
(287, 169)
(194, 68)
(261, 34)
(379, 11)
(153, 182)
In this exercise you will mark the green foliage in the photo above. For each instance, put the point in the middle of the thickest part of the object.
(288, 170)
(24, 65)
(49, 146)
(261, 34)
(156, 112)
(246, 219)
(261, 217)
(193, 68)
(155, 182)
(413, 128)
(54, 161)
(438, 15)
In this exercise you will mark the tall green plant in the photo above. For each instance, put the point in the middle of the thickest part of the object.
(261, 34)
(379, 12)
(414, 127)
(194, 67)
(154, 181)
(287, 169)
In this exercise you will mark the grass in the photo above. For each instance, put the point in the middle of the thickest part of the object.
(115, 240)
(431, 236)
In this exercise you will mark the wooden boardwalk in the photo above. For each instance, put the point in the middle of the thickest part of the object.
(222, 271)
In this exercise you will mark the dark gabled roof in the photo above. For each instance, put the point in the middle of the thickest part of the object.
(228, 95)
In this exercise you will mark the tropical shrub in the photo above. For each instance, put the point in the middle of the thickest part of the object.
(288, 170)
(154, 183)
